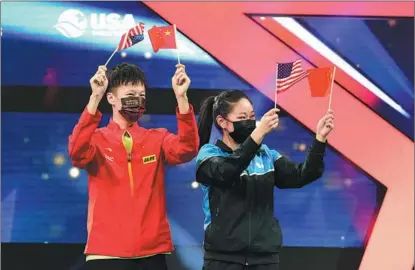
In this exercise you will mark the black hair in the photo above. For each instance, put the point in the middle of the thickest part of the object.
(213, 106)
(123, 74)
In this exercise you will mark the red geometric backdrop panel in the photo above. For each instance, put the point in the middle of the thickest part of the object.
(231, 36)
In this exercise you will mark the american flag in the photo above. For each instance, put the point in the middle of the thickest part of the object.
(289, 74)
(132, 37)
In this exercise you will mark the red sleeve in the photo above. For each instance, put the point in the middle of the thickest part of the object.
(81, 149)
(184, 146)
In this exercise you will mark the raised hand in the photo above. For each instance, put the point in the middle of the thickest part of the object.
(269, 121)
(180, 81)
(99, 82)
(325, 126)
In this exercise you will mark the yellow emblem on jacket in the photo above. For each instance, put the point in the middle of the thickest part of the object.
(149, 159)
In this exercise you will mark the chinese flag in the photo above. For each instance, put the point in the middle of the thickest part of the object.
(162, 37)
(319, 80)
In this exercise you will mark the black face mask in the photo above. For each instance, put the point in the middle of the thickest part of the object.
(132, 108)
(242, 129)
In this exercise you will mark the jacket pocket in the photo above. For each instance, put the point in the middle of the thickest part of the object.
(268, 238)
(209, 237)
(276, 234)
(276, 225)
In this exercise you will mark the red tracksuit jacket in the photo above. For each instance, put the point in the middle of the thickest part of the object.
(127, 209)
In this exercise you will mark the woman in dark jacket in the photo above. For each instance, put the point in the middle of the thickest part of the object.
(238, 175)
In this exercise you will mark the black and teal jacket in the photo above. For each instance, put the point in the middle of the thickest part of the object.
(238, 202)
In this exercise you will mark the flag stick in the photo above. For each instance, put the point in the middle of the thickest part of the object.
(177, 44)
(276, 89)
(331, 90)
(275, 97)
(109, 59)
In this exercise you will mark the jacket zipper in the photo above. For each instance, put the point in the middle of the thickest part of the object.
(219, 206)
(130, 173)
(249, 237)
(249, 223)
(127, 141)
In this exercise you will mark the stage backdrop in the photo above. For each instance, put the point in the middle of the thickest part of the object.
(69, 40)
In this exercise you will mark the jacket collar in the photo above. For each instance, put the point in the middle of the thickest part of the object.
(115, 127)
(223, 146)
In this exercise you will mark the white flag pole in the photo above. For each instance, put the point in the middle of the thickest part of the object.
(276, 90)
(123, 38)
(331, 89)
(177, 44)
(109, 59)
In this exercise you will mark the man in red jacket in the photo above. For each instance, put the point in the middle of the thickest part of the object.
(127, 220)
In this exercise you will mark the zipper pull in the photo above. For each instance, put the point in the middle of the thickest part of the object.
(217, 212)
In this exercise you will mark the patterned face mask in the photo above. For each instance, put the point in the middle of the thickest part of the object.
(132, 108)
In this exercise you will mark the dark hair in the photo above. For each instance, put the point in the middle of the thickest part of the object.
(213, 106)
(123, 74)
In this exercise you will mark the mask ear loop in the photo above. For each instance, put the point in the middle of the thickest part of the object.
(229, 122)
(142, 103)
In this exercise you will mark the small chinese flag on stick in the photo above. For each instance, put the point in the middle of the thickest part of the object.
(321, 82)
(164, 37)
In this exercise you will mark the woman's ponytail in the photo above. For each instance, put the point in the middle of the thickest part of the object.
(205, 120)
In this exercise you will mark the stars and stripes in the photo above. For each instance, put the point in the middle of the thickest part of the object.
(132, 37)
(289, 74)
